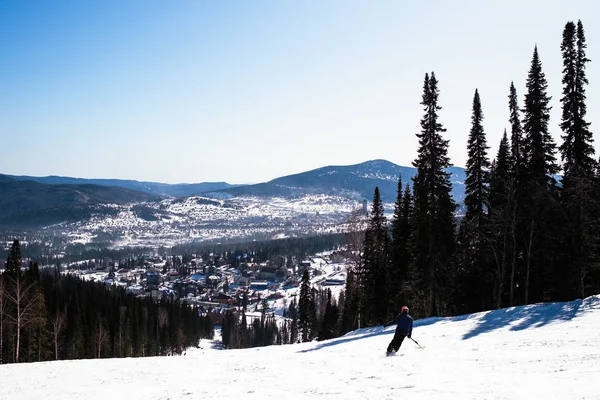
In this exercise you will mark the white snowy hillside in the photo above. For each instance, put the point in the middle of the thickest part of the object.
(545, 351)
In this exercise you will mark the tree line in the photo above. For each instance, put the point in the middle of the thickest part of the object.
(527, 235)
(48, 316)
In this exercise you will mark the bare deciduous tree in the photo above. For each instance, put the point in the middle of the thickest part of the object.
(58, 322)
(25, 299)
(101, 335)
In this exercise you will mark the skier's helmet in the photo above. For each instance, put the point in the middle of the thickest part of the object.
(404, 310)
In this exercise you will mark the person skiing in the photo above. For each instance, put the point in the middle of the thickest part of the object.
(404, 326)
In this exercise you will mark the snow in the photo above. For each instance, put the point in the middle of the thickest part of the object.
(181, 220)
(543, 351)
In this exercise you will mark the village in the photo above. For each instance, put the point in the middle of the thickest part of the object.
(214, 287)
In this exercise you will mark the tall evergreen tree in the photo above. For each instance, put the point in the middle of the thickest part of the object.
(578, 182)
(477, 168)
(434, 225)
(473, 235)
(349, 320)
(305, 305)
(375, 262)
(500, 217)
(14, 260)
(540, 185)
(539, 147)
(577, 149)
(516, 130)
(401, 231)
(517, 168)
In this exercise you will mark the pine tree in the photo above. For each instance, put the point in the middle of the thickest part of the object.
(539, 199)
(375, 265)
(539, 147)
(577, 154)
(517, 189)
(577, 150)
(477, 168)
(433, 242)
(349, 320)
(401, 231)
(473, 230)
(500, 217)
(516, 131)
(304, 308)
(13, 261)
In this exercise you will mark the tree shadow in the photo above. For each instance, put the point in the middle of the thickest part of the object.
(531, 316)
(369, 332)
(352, 336)
(517, 318)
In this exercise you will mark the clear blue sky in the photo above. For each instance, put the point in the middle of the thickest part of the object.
(246, 91)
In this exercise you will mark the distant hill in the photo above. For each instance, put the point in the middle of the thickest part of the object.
(355, 181)
(28, 203)
(48, 200)
(153, 188)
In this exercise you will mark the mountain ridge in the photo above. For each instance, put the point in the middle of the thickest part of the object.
(30, 203)
(330, 190)
(154, 188)
(357, 181)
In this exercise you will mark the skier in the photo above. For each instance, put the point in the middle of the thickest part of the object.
(404, 328)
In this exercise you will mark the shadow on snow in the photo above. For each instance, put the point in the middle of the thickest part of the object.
(531, 316)
(351, 336)
(517, 318)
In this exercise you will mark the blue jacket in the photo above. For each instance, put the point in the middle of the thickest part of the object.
(404, 324)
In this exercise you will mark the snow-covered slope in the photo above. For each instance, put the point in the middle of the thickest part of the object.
(545, 351)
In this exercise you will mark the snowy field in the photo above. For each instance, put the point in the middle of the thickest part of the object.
(546, 351)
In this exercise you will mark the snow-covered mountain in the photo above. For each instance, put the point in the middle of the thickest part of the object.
(312, 202)
(542, 351)
(353, 181)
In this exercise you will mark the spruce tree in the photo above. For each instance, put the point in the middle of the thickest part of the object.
(433, 242)
(539, 147)
(539, 198)
(477, 168)
(12, 268)
(472, 233)
(304, 308)
(401, 231)
(375, 263)
(516, 131)
(500, 218)
(517, 189)
(349, 320)
(578, 182)
(577, 150)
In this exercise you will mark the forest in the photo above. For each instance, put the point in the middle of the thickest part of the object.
(45, 315)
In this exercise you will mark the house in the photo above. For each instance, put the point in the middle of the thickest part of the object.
(242, 280)
(268, 272)
(172, 275)
(152, 277)
(259, 285)
(223, 298)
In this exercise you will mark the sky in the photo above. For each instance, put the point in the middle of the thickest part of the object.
(544, 351)
(190, 91)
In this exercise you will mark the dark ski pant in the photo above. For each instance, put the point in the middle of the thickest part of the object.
(396, 342)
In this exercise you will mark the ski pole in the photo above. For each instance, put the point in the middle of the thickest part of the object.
(417, 343)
